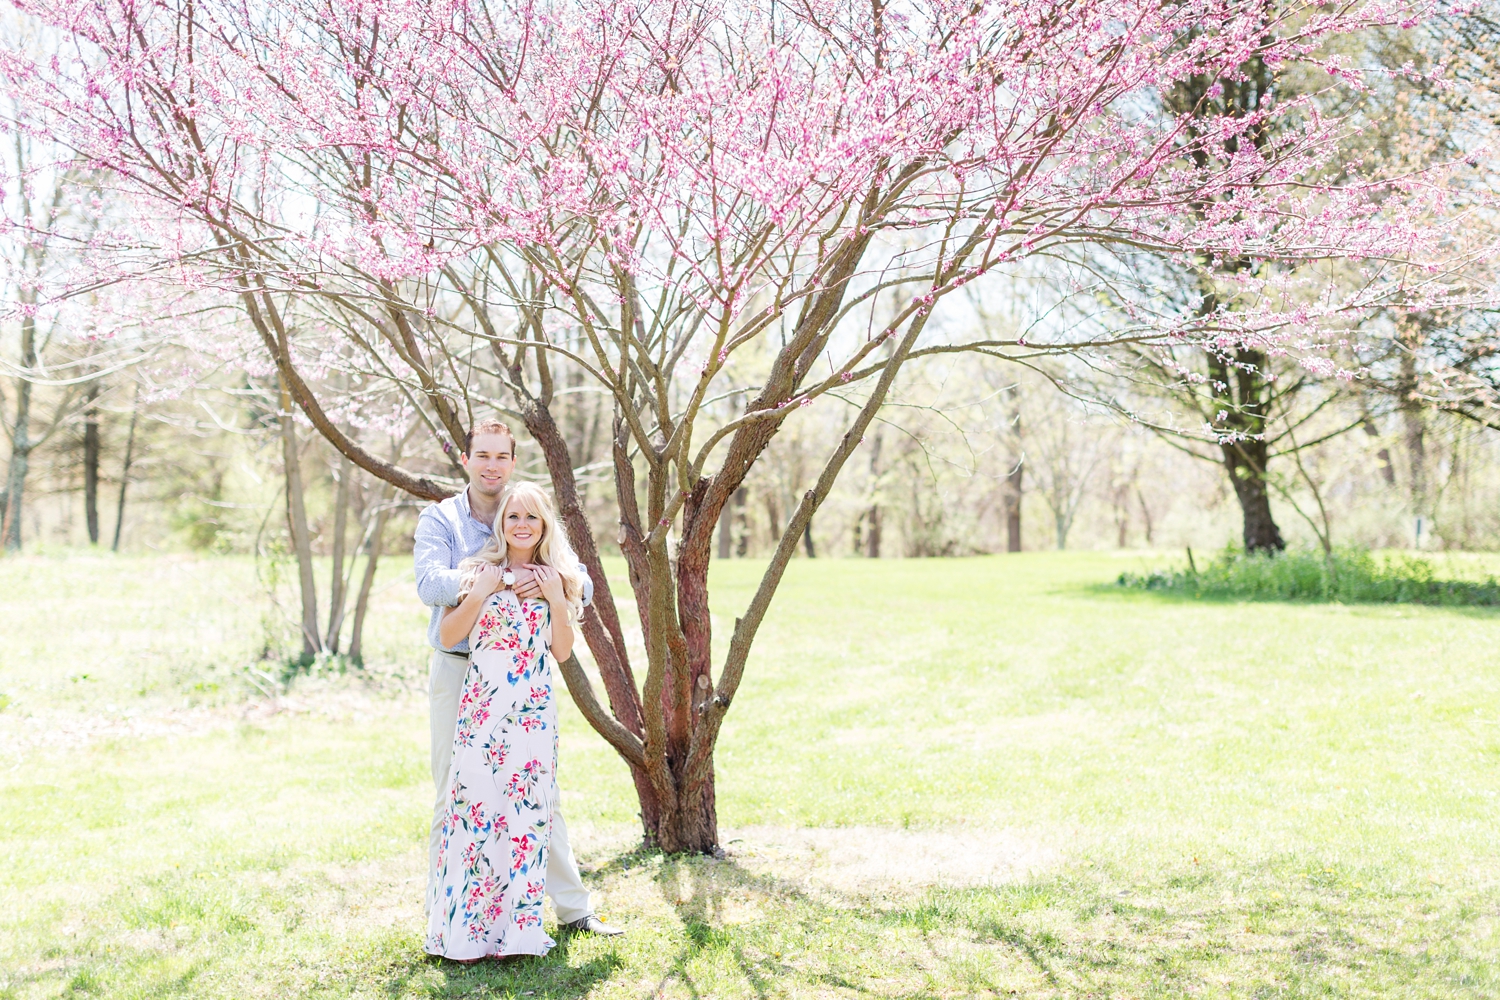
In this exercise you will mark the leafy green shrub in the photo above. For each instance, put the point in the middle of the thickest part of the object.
(1347, 575)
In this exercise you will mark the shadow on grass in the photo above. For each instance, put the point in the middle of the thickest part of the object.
(1073, 935)
(710, 928)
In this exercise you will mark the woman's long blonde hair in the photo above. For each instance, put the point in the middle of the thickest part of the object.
(553, 549)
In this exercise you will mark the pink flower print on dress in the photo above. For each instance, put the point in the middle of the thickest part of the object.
(520, 850)
(521, 667)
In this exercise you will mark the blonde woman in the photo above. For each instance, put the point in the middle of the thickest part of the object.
(492, 858)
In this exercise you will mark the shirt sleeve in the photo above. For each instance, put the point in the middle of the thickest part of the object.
(588, 585)
(432, 556)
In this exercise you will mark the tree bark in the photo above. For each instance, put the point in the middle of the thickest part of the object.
(91, 463)
(296, 515)
(135, 410)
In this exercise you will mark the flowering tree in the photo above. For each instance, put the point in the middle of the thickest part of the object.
(720, 214)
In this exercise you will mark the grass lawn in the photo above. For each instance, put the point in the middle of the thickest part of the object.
(980, 777)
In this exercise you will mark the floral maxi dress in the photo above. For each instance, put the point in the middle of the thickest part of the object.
(492, 861)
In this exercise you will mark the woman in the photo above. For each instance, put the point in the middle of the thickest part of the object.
(492, 862)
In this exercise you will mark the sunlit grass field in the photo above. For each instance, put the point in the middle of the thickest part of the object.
(1014, 778)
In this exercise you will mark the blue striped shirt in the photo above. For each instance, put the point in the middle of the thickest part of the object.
(447, 534)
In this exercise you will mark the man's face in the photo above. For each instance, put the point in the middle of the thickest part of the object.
(490, 462)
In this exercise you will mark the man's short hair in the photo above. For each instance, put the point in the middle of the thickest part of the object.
(489, 425)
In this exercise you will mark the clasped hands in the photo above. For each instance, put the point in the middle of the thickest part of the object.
(533, 582)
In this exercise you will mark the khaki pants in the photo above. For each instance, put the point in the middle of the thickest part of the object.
(445, 685)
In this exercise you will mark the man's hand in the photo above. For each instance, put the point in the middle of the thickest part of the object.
(527, 585)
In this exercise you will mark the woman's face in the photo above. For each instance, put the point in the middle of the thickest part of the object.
(522, 528)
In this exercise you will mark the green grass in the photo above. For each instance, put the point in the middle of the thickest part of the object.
(1209, 799)
(1354, 576)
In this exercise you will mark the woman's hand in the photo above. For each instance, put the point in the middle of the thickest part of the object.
(551, 583)
(489, 580)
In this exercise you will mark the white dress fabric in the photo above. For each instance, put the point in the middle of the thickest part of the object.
(486, 898)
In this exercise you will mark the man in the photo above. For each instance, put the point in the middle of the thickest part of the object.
(448, 533)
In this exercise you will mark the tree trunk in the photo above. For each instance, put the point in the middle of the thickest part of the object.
(91, 463)
(340, 528)
(872, 532)
(1013, 508)
(20, 451)
(362, 603)
(135, 409)
(1245, 461)
(1245, 455)
(807, 541)
(1013, 483)
(296, 516)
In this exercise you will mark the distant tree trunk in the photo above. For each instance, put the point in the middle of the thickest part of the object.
(91, 463)
(362, 603)
(726, 533)
(1063, 521)
(773, 514)
(135, 409)
(1013, 485)
(296, 516)
(1145, 514)
(20, 450)
(1414, 426)
(872, 515)
(340, 527)
(1387, 469)
(741, 523)
(807, 541)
